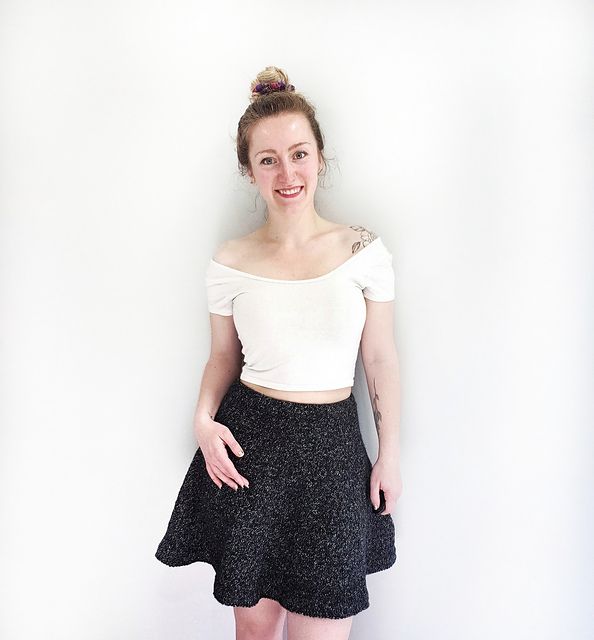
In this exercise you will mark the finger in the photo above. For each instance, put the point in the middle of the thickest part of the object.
(229, 439)
(230, 470)
(381, 504)
(389, 506)
(374, 496)
(225, 478)
(213, 477)
(224, 463)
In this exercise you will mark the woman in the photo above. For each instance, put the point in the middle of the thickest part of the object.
(297, 517)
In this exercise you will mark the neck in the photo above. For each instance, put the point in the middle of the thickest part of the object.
(290, 228)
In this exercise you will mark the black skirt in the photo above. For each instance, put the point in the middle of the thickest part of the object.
(305, 532)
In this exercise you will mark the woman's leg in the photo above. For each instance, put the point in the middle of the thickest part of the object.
(264, 621)
(300, 627)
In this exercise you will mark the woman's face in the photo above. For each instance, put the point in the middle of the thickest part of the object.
(283, 155)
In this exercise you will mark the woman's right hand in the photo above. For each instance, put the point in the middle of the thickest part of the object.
(212, 437)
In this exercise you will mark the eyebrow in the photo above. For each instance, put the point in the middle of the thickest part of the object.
(273, 151)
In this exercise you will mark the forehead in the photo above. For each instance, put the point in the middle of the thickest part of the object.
(280, 131)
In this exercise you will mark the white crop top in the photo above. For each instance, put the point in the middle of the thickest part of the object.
(302, 335)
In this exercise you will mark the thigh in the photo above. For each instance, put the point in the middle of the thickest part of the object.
(300, 627)
(264, 621)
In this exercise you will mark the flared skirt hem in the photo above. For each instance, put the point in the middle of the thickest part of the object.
(347, 601)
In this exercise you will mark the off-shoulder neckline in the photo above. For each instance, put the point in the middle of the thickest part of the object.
(325, 275)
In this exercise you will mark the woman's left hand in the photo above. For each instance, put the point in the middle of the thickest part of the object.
(385, 475)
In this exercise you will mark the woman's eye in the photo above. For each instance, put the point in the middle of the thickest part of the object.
(264, 160)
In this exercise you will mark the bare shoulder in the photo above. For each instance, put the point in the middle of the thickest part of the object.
(230, 252)
(359, 237)
(221, 253)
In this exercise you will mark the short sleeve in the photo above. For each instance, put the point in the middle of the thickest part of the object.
(379, 276)
(220, 290)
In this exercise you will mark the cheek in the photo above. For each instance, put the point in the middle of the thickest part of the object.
(312, 173)
(261, 176)
(265, 178)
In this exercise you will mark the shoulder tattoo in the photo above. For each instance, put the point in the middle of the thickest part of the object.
(366, 236)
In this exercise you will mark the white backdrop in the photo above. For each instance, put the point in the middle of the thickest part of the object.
(462, 132)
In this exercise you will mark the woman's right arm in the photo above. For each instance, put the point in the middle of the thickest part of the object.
(223, 366)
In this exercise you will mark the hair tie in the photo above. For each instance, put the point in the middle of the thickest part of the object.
(270, 87)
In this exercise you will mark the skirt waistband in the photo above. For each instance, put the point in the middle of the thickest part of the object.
(262, 401)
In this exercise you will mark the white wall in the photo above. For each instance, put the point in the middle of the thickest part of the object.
(463, 134)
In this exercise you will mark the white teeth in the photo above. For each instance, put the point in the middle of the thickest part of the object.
(288, 192)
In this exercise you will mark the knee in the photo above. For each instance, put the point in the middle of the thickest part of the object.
(265, 621)
(241, 633)
(259, 630)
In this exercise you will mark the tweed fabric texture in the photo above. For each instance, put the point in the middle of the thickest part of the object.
(305, 533)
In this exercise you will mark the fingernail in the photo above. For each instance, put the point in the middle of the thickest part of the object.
(241, 452)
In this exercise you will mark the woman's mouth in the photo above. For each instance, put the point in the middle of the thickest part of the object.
(289, 193)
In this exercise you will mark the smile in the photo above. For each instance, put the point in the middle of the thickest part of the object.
(288, 193)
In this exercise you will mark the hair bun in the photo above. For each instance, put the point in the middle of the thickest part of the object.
(270, 80)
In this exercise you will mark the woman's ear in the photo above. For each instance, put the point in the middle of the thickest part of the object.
(322, 163)
(250, 175)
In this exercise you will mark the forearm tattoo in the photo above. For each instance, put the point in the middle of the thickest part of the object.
(377, 416)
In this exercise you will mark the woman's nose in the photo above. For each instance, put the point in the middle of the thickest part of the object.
(286, 171)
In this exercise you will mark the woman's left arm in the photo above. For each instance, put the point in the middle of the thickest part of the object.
(380, 361)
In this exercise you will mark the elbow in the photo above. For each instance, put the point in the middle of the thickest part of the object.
(225, 360)
(386, 355)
